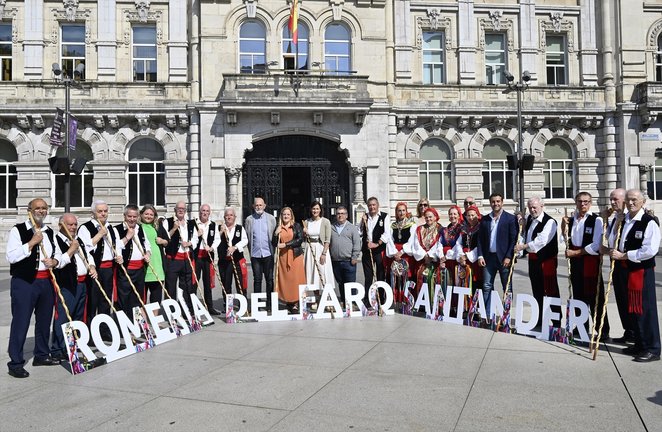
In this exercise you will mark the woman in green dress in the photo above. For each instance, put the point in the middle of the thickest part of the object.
(154, 274)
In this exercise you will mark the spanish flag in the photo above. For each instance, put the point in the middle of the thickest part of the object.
(294, 21)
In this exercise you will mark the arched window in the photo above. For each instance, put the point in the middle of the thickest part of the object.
(435, 170)
(252, 47)
(496, 175)
(654, 184)
(658, 60)
(558, 170)
(146, 173)
(80, 185)
(337, 49)
(8, 157)
(298, 51)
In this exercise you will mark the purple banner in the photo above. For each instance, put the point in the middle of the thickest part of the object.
(73, 132)
(56, 131)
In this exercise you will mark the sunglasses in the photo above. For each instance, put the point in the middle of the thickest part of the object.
(424, 205)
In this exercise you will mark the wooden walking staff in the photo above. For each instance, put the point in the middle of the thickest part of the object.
(234, 267)
(213, 262)
(510, 272)
(190, 262)
(126, 273)
(610, 281)
(374, 267)
(81, 254)
(593, 342)
(317, 264)
(151, 268)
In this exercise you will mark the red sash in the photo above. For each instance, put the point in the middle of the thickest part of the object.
(244, 272)
(43, 274)
(635, 289)
(550, 286)
(106, 264)
(81, 278)
(180, 256)
(202, 253)
(135, 265)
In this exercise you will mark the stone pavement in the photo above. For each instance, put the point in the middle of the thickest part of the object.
(376, 374)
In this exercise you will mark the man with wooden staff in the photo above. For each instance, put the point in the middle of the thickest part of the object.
(542, 247)
(31, 288)
(71, 275)
(585, 238)
(182, 243)
(208, 241)
(634, 271)
(617, 206)
(134, 258)
(101, 240)
(375, 232)
(231, 261)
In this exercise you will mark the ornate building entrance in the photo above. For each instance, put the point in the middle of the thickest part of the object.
(293, 171)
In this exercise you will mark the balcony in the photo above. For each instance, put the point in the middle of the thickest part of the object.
(312, 90)
(648, 95)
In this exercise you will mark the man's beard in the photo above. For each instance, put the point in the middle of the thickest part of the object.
(259, 211)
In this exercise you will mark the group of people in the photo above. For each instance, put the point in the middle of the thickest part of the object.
(100, 267)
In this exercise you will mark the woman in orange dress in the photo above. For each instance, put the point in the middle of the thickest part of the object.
(290, 271)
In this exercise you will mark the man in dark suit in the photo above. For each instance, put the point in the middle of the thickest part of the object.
(497, 236)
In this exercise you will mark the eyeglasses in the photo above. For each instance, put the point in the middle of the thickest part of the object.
(469, 203)
(583, 201)
(424, 205)
(180, 208)
(341, 213)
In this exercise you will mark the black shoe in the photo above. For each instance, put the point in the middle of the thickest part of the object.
(60, 357)
(46, 361)
(18, 373)
(632, 350)
(646, 357)
(214, 311)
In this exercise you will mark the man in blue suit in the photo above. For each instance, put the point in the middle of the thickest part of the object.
(497, 236)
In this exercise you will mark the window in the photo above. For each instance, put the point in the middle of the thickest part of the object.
(5, 52)
(144, 53)
(658, 60)
(337, 46)
(558, 170)
(8, 157)
(433, 58)
(496, 175)
(80, 185)
(252, 48)
(146, 173)
(555, 58)
(300, 50)
(654, 184)
(73, 48)
(435, 171)
(495, 58)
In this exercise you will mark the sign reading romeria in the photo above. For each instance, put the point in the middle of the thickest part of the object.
(148, 328)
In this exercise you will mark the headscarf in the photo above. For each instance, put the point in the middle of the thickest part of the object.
(459, 212)
(474, 208)
(433, 211)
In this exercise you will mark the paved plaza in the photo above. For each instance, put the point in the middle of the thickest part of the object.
(394, 373)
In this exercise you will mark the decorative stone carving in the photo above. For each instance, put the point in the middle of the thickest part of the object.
(412, 121)
(462, 122)
(251, 8)
(438, 120)
(559, 27)
(653, 35)
(501, 120)
(132, 16)
(336, 9)
(142, 8)
(401, 122)
(439, 23)
(495, 17)
(38, 121)
(556, 17)
(358, 172)
(171, 121)
(275, 118)
(359, 118)
(183, 121)
(98, 121)
(70, 9)
(113, 121)
(2, 6)
(23, 121)
(317, 118)
(233, 174)
(143, 120)
(476, 122)
(538, 122)
(231, 118)
(487, 24)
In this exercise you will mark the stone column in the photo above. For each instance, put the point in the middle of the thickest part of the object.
(194, 160)
(466, 26)
(403, 41)
(233, 175)
(106, 40)
(178, 43)
(528, 39)
(643, 179)
(587, 44)
(33, 44)
(358, 173)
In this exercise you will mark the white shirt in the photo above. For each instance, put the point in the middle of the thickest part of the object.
(81, 268)
(372, 223)
(543, 238)
(231, 234)
(415, 248)
(136, 255)
(183, 235)
(577, 233)
(18, 251)
(651, 238)
(86, 237)
(205, 233)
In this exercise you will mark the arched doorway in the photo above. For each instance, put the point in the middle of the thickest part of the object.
(293, 171)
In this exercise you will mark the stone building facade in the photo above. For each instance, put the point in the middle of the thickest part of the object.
(212, 102)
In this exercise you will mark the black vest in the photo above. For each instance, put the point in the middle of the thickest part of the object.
(551, 249)
(589, 228)
(376, 232)
(469, 241)
(26, 268)
(211, 235)
(173, 244)
(223, 246)
(98, 252)
(128, 248)
(67, 276)
(401, 236)
(633, 243)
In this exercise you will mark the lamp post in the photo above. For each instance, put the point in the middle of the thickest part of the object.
(67, 82)
(521, 165)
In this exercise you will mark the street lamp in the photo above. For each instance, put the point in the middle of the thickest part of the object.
(523, 162)
(67, 81)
